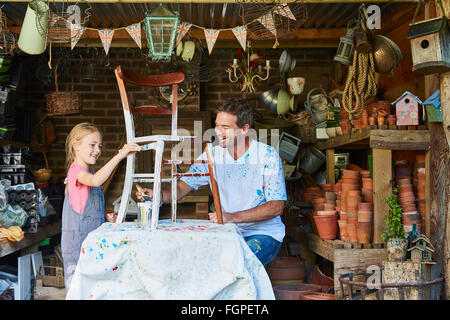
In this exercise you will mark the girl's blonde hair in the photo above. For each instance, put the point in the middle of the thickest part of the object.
(77, 133)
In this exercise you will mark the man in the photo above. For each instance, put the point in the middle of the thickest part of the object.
(250, 179)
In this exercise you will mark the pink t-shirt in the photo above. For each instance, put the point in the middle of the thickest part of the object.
(78, 193)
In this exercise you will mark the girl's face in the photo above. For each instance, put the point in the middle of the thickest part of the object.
(88, 149)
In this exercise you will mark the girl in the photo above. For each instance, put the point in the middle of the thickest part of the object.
(84, 205)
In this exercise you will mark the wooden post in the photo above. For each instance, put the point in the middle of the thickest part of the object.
(382, 189)
(331, 178)
(445, 107)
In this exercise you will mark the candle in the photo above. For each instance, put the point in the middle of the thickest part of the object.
(267, 63)
(234, 62)
(259, 69)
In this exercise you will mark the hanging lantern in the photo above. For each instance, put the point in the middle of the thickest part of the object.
(31, 39)
(345, 50)
(161, 28)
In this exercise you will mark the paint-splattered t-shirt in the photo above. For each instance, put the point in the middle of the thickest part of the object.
(255, 178)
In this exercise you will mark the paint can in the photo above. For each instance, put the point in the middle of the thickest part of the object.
(145, 213)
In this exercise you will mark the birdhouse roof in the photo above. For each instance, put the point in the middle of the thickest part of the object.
(421, 249)
(422, 237)
(407, 93)
(423, 28)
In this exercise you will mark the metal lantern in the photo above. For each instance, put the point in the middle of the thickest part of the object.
(161, 28)
(345, 50)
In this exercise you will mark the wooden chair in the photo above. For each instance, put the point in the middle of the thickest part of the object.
(155, 142)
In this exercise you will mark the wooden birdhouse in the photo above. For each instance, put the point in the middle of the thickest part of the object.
(421, 250)
(407, 109)
(430, 43)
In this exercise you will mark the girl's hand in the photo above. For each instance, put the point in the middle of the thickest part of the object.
(111, 216)
(128, 149)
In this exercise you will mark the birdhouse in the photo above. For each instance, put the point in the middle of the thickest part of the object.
(407, 109)
(421, 250)
(430, 40)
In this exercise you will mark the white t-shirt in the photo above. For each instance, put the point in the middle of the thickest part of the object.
(248, 182)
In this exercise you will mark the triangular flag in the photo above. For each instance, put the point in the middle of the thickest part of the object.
(182, 29)
(241, 35)
(267, 21)
(76, 31)
(106, 36)
(283, 9)
(211, 37)
(135, 32)
(53, 20)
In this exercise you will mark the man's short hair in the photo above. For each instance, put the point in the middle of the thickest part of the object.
(240, 108)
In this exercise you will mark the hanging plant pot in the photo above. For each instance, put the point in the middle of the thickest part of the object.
(396, 248)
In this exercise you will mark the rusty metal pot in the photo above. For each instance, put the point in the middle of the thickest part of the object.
(386, 53)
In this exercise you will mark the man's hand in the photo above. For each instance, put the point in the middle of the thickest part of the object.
(226, 217)
(145, 191)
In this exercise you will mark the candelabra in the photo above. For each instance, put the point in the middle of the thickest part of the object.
(249, 72)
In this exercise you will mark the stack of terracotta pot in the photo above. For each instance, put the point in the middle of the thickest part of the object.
(419, 184)
(365, 209)
(325, 215)
(407, 199)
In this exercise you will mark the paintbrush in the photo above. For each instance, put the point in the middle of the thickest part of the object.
(144, 197)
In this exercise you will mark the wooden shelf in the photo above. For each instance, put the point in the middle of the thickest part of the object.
(380, 139)
(31, 238)
(34, 146)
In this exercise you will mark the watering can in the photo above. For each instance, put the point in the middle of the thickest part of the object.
(32, 38)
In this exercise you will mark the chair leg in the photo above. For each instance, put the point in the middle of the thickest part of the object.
(157, 184)
(128, 184)
(174, 187)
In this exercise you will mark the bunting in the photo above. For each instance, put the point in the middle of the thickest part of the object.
(134, 30)
(182, 29)
(241, 35)
(76, 31)
(211, 37)
(283, 9)
(267, 21)
(106, 36)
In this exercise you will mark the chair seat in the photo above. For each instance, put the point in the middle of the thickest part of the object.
(150, 110)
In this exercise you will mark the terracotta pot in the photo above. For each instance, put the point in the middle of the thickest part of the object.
(408, 200)
(313, 189)
(316, 296)
(364, 232)
(365, 118)
(403, 181)
(330, 195)
(421, 195)
(408, 208)
(326, 187)
(368, 197)
(329, 206)
(365, 206)
(365, 216)
(372, 121)
(318, 277)
(351, 230)
(354, 193)
(292, 291)
(326, 212)
(353, 202)
(294, 272)
(405, 188)
(420, 158)
(380, 121)
(352, 174)
(348, 181)
(357, 124)
(352, 214)
(287, 262)
(337, 187)
(382, 113)
(343, 229)
(396, 249)
(343, 215)
(327, 226)
(365, 174)
(407, 194)
(392, 120)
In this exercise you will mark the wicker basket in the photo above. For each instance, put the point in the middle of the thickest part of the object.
(62, 103)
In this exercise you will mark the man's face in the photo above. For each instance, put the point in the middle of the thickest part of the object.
(227, 130)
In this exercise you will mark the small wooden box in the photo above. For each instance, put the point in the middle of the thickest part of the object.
(430, 40)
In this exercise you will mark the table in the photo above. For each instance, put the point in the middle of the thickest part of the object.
(189, 259)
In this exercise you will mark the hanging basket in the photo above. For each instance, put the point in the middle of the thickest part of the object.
(64, 102)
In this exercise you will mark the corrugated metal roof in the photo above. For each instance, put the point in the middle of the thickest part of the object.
(207, 15)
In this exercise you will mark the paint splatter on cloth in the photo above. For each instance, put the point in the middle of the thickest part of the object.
(189, 259)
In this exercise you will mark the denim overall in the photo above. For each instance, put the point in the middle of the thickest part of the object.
(76, 227)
